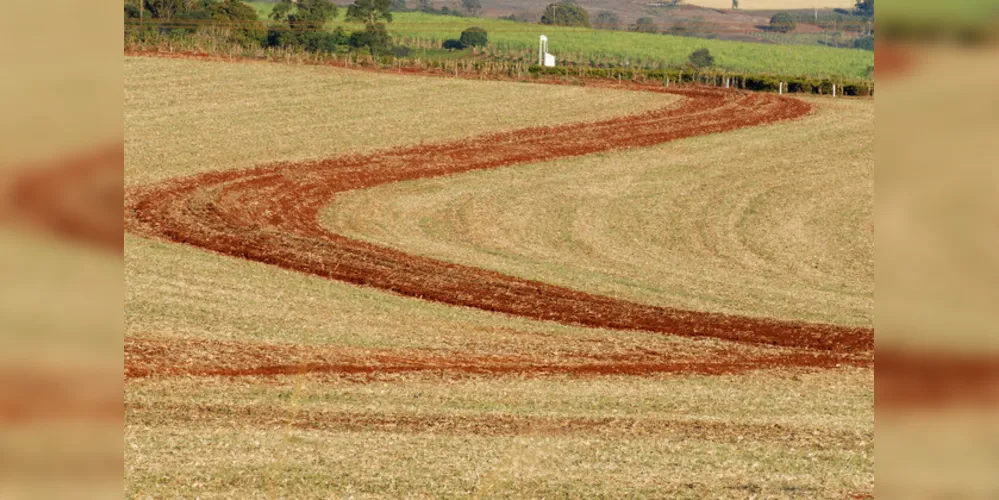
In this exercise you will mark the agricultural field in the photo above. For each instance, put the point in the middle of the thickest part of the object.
(350, 283)
(583, 44)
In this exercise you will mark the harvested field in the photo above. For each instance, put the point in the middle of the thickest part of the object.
(269, 214)
(740, 223)
(274, 373)
(718, 436)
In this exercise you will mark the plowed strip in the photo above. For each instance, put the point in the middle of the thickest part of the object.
(270, 214)
(75, 197)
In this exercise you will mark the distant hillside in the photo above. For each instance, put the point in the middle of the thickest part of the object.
(774, 4)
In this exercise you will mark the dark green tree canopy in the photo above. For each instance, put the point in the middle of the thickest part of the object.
(701, 58)
(565, 13)
(474, 37)
(782, 22)
(645, 25)
(865, 7)
(305, 14)
(370, 12)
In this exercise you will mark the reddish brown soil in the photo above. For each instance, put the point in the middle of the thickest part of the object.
(32, 394)
(158, 357)
(909, 379)
(893, 60)
(75, 198)
(270, 214)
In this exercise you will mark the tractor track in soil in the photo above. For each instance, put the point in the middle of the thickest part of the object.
(270, 214)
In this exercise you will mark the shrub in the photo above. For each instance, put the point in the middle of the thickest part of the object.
(374, 37)
(782, 22)
(400, 51)
(701, 58)
(565, 13)
(645, 25)
(864, 42)
(452, 44)
(474, 37)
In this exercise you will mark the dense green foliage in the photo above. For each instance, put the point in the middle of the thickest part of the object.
(239, 20)
(452, 44)
(701, 58)
(565, 13)
(474, 37)
(865, 7)
(782, 22)
(369, 12)
(304, 14)
(865, 43)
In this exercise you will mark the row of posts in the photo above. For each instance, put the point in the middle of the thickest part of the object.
(780, 87)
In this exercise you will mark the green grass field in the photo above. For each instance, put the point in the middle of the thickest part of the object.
(584, 44)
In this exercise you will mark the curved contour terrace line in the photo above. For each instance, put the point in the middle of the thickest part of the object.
(270, 214)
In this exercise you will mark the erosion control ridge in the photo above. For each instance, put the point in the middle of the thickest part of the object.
(270, 214)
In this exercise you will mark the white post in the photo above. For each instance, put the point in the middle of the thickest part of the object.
(834, 90)
(541, 50)
(780, 88)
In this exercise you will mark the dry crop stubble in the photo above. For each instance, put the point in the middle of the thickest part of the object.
(188, 116)
(391, 434)
(537, 436)
(774, 221)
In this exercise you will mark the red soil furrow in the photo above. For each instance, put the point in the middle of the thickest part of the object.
(909, 379)
(154, 357)
(270, 214)
(75, 198)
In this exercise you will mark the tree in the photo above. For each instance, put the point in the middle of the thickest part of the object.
(565, 13)
(782, 22)
(864, 42)
(164, 9)
(701, 58)
(399, 6)
(374, 37)
(645, 25)
(607, 20)
(472, 7)
(474, 37)
(427, 6)
(370, 12)
(735, 4)
(865, 8)
(245, 27)
(304, 14)
(452, 44)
